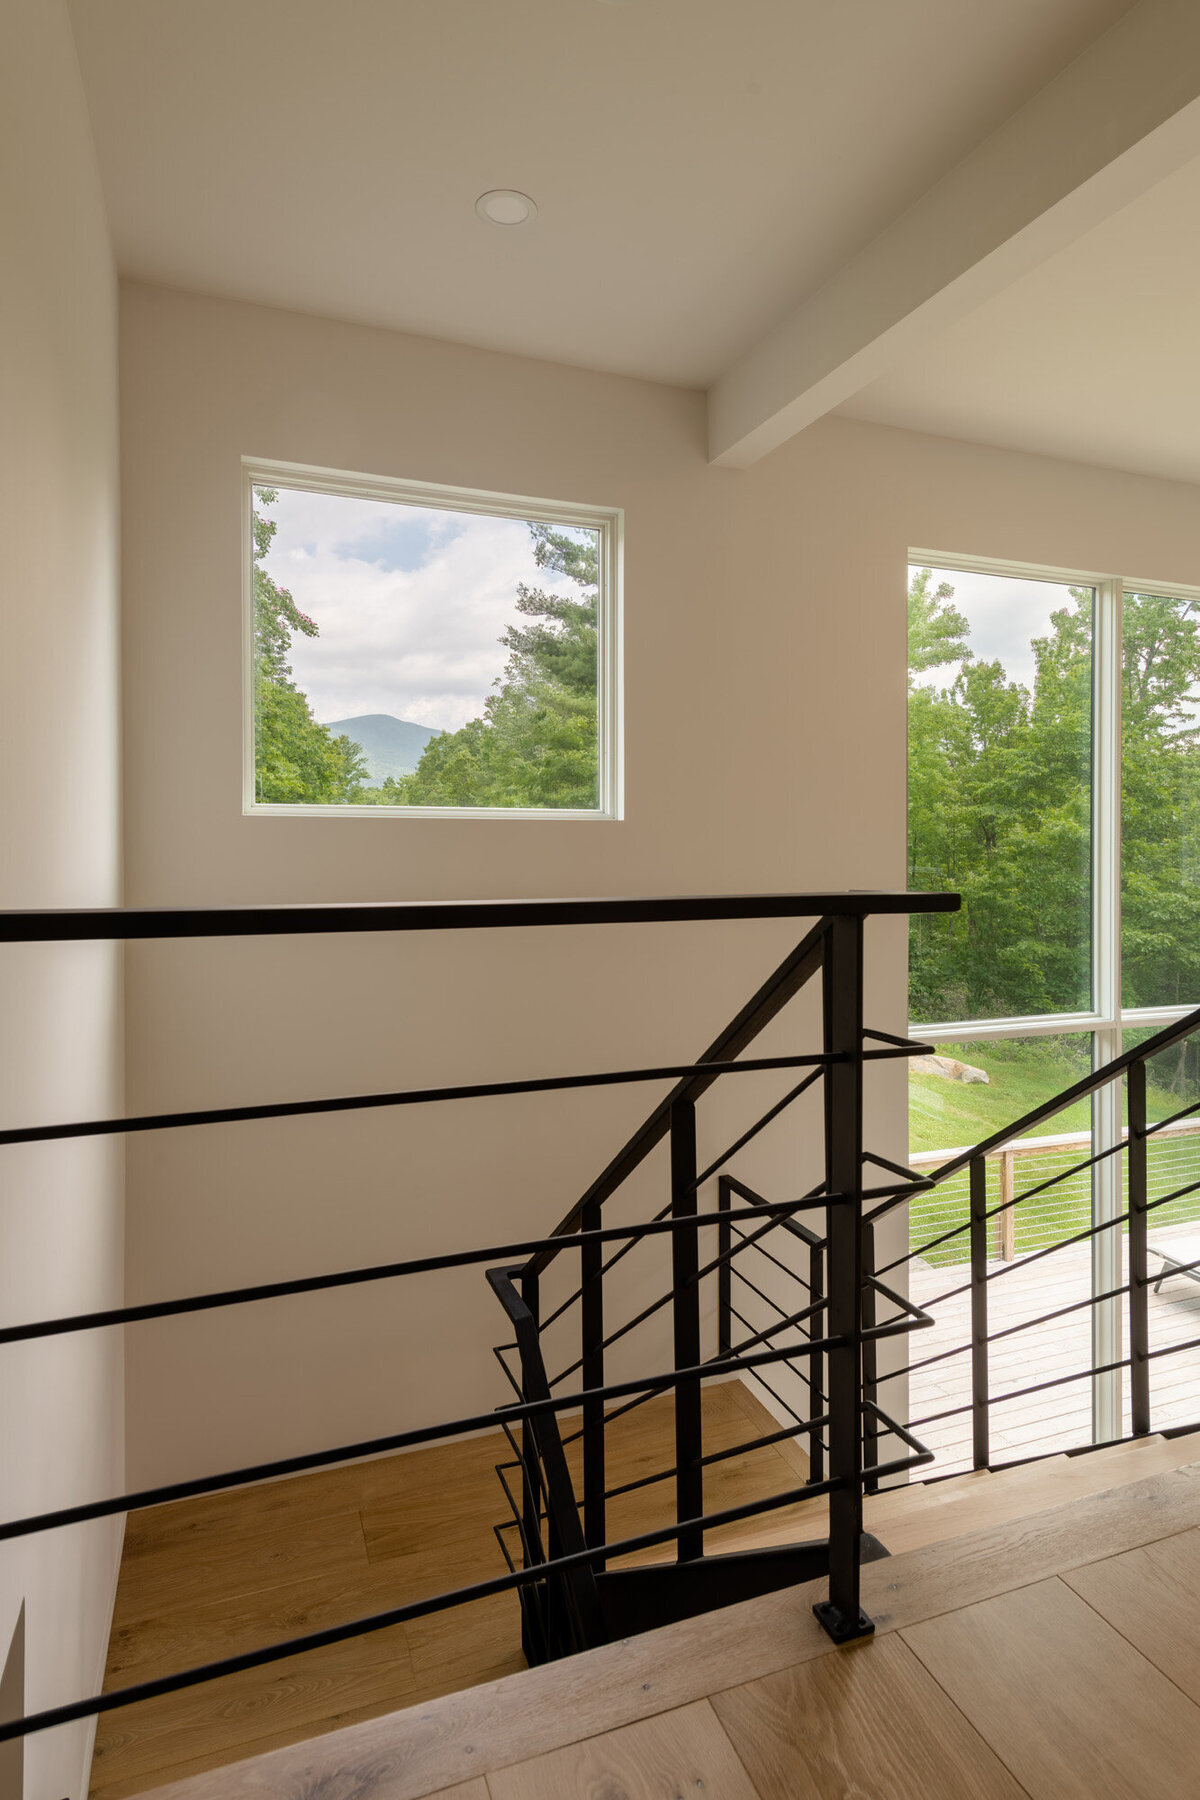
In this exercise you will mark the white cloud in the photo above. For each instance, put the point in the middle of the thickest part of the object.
(1006, 613)
(410, 602)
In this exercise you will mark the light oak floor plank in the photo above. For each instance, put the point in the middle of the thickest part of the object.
(1150, 1596)
(432, 1745)
(870, 1720)
(664, 1758)
(222, 1574)
(1072, 1708)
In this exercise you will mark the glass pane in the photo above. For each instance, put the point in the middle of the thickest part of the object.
(1160, 801)
(957, 1098)
(999, 800)
(1172, 1230)
(408, 655)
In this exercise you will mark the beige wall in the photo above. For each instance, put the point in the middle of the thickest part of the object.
(61, 1215)
(764, 747)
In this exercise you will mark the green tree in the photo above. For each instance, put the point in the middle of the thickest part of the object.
(1000, 809)
(536, 743)
(295, 758)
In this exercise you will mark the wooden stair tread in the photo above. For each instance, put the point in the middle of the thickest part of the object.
(419, 1752)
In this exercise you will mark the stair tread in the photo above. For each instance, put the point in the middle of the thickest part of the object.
(910, 1518)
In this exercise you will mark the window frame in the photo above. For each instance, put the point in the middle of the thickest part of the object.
(609, 524)
(1108, 1019)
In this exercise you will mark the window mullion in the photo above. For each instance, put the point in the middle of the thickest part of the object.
(1106, 997)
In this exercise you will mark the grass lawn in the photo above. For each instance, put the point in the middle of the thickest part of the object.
(1022, 1073)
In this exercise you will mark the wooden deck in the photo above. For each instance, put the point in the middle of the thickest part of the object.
(1059, 1418)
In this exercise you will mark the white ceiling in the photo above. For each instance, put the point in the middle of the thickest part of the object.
(700, 166)
(1094, 356)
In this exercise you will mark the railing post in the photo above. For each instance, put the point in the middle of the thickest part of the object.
(685, 1269)
(980, 1420)
(531, 1494)
(842, 1615)
(1006, 1221)
(1139, 1280)
(591, 1262)
(816, 1365)
(724, 1268)
(870, 1361)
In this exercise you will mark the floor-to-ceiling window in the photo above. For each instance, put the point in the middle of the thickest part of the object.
(1054, 780)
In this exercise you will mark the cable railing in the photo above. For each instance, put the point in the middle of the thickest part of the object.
(1022, 1220)
(1050, 1164)
(570, 1597)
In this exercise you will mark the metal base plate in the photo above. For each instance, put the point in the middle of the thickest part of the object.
(841, 1629)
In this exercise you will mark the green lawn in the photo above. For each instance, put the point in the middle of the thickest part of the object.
(1022, 1073)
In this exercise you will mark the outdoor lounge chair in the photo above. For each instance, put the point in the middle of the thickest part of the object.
(1175, 1258)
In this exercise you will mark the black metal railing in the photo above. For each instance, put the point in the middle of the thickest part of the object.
(570, 1597)
(980, 1272)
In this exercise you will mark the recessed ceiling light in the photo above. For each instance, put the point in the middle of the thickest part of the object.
(504, 206)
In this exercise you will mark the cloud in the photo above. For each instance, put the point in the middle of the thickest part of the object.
(410, 601)
(1006, 612)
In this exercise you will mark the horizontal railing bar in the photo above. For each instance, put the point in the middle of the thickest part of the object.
(1024, 1148)
(917, 1183)
(577, 1295)
(480, 1090)
(995, 1337)
(1079, 1090)
(716, 1456)
(1184, 1112)
(766, 1299)
(752, 1198)
(792, 1274)
(124, 924)
(756, 1375)
(666, 1298)
(1038, 1387)
(933, 1244)
(1060, 1312)
(402, 1440)
(309, 1284)
(398, 1615)
(926, 1362)
(764, 1005)
(752, 1132)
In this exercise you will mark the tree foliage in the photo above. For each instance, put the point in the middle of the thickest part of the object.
(295, 758)
(1000, 809)
(536, 742)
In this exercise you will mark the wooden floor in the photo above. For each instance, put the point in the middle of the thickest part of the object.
(209, 1578)
(1060, 1417)
(1055, 1657)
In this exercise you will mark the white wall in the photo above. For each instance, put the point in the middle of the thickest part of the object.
(765, 674)
(61, 1212)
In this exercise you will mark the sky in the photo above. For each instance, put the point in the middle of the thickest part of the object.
(410, 602)
(1005, 614)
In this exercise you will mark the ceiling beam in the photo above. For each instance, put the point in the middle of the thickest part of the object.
(1120, 118)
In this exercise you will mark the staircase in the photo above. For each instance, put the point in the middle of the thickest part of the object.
(1024, 1544)
(599, 1335)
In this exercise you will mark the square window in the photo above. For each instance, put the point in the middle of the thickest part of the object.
(428, 651)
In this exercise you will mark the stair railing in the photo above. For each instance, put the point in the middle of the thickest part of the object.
(987, 1220)
(838, 1330)
(563, 1570)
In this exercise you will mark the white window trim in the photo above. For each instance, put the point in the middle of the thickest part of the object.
(1108, 1015)
(607, 522)
(1110, 1019)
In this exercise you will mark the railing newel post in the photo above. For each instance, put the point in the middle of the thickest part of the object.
(980, 1413)
(591, 1307)
(685, 1269)
(842, 1005)
(1139, 1275)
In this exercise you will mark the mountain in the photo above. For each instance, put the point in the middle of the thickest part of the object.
(390, 746)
